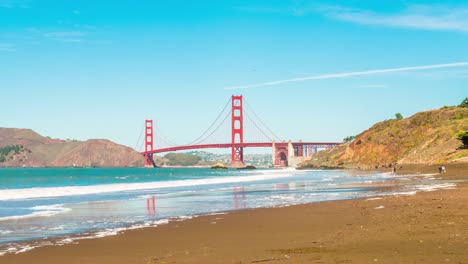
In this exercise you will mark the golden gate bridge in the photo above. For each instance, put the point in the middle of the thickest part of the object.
(248, 132)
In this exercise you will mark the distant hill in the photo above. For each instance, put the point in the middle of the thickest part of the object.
(181, 159)
(425, 138)
(34, 150)
(208, 158)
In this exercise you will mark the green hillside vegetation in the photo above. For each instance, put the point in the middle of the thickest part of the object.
(464, 103)
(430, 137)
(8, 152)
(181, 159)
(349, 139)
(463, 137)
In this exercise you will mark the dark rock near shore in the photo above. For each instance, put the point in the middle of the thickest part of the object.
(250, 167)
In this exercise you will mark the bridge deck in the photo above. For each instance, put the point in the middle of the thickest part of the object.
(245, 145)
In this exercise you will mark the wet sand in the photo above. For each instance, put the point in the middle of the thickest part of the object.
(430, 227)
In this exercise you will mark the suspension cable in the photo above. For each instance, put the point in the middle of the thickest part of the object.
(211, 126)
(163, 138)
(248, 116)
(139, 138)
(261, 121)
(222, 122)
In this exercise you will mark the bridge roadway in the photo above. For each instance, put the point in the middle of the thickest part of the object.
(245, 145)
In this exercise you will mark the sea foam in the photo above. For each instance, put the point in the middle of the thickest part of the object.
(39, 211)
(32, 193)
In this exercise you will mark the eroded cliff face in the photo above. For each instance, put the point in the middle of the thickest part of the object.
(425, 138)
(39, 151)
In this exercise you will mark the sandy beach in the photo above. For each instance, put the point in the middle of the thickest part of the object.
(429, 227)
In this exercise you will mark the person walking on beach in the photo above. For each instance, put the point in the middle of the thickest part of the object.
(440, 169)
(443, 168)
(394, 169)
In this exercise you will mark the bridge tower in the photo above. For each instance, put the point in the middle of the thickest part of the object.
(237, 128)
(149, 162)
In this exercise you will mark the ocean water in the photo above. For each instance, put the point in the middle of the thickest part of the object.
(43, 206)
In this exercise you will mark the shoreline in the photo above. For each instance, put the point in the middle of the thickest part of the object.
(283, 238)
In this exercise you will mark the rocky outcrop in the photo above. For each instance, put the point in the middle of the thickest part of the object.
(248, 167)
(219, 166)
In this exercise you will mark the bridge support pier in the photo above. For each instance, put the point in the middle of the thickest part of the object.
(297, 153)
(273, 154)
(290, 152)
(237, 127)
(149, 162)
(280, 154)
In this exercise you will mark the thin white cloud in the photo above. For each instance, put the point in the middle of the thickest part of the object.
(74, 33)
(6, 47)
(14, 4)
(299, 10)
(423, 17)
(67, 36)
(351, 74)
(373, 86)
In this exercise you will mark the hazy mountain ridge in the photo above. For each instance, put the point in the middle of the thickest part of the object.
(427, 137)
(42, 151)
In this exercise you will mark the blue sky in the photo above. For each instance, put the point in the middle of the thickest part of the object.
(97, 69)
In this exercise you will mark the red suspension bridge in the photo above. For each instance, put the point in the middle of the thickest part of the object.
(250, 132)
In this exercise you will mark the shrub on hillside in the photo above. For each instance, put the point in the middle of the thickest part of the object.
(349, 139)
(447, 107)
(6, 151)
(464, 103)
(182, 159)
(463, 136)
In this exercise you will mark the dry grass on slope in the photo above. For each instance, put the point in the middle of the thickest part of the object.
(425, 138)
